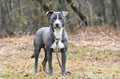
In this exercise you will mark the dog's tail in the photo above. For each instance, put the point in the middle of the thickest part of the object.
(32, 56)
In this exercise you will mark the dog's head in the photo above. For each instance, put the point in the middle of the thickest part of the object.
(57, 19)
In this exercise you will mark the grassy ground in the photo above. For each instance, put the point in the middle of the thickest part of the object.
(94, 53)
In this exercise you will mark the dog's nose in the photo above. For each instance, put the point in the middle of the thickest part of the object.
(57, 24)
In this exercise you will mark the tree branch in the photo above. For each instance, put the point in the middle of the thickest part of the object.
(45, 7)
(77, 11)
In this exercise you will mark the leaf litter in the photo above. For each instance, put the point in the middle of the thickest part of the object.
(94, 53)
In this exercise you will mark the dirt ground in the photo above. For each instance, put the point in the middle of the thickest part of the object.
(94, 53)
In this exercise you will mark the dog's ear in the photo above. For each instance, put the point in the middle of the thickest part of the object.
(64, 13)
(49, 13)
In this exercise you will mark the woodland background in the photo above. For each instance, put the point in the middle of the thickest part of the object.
(20, 17)
(93, 28)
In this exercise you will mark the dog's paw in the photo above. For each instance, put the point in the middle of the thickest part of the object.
(63, 77)
(37, 74)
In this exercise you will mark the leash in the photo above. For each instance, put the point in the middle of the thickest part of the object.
(60, 65)
(67, 73)
(57, 55)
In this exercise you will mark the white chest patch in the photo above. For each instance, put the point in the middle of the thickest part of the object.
(60, 45)
(58, 35)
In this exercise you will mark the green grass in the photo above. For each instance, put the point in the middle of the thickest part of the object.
(84, 62)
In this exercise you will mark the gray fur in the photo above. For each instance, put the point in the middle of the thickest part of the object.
(45, 37)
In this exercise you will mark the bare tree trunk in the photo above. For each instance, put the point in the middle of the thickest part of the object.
(4, 13)
(112, 12)
(19, 5)
(62, 5)
(103, 10)
(115, 12)
(10, 7)
(3, 21)
(77, 11)
(45, 7)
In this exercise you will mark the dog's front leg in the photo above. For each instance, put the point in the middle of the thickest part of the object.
(63, 52)
(49, 57)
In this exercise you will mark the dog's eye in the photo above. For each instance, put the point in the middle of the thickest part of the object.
(60, 18)
(54, 18)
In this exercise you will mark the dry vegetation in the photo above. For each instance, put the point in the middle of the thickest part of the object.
(94, 53)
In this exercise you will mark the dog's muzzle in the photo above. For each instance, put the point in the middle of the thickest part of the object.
(57, 26)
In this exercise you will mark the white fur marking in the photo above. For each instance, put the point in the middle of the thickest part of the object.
(57, 21)
(60, 44)
(58, 35)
